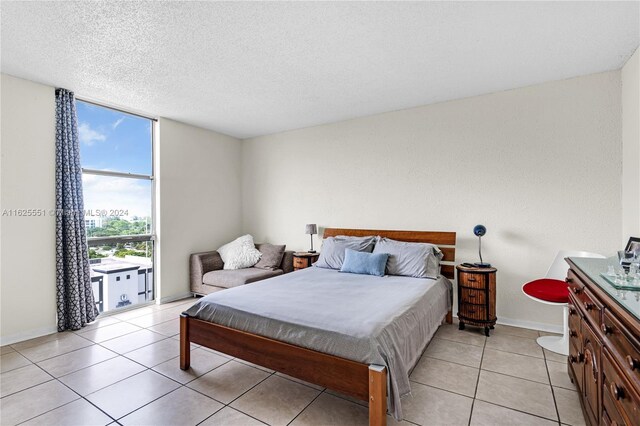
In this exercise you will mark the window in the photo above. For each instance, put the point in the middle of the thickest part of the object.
(116, 152)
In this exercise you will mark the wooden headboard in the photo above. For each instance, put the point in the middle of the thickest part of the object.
(446, 241)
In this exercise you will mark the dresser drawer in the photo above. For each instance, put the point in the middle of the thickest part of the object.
(576, 362)
(472, 280)
(472, 296)
(610, 414)
(624, 347)
(618, 392)
(589, 306)
(592, 307)
(575, 321)
(575, 284)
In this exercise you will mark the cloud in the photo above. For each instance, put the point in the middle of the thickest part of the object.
(112, 193)
(88, 136)
(117, 122)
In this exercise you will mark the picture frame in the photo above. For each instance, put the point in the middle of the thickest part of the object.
(633, 245)
(631, 252)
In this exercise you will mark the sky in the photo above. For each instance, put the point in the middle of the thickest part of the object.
(115, 141)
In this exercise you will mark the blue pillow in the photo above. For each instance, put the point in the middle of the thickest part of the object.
(359, 262)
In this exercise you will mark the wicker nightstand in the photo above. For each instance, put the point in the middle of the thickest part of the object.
(477, 297)
(303, 259)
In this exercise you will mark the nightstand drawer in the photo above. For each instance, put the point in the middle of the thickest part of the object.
(472, 296)
(303, 260)
(469, 310)
(472, 280)
(300, 262)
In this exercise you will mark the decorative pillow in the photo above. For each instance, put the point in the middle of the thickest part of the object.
(239, 253)
(271, 256)
(360, 262)
(420, 260)
(332, 254)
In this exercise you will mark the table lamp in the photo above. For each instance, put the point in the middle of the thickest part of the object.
(311, 229)
(479, 231)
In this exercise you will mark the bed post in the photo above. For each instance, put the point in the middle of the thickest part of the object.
(449, 318)
(377, 395)
(185, 353)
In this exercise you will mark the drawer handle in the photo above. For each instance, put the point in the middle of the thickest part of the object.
(589, 306)
(617, 391)
(633, 363)
(471, 279)
(572, 311)
(576, 359)
(605, 328)
(576, 290)
(573, 333)
(471, 296)
(568, 280)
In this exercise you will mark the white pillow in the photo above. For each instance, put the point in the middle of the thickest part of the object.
(240, 253)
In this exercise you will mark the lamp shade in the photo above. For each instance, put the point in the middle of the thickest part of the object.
(479, 230)
(311, 228)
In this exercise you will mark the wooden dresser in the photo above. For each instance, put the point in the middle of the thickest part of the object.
(604, 348)
(477, 297)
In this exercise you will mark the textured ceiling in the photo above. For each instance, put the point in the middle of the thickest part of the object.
(248, 69)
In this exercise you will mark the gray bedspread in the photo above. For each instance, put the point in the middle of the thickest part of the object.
(374, 320)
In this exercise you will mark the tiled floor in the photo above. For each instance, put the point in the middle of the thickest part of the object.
(124, 370)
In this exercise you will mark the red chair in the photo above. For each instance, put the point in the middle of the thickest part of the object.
(553, 290)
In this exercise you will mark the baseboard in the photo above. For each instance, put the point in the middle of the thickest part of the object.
(125, 309)
(176, 297)
(540, 326)
(26, 335)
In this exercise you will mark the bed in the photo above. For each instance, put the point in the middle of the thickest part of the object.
(352, 333)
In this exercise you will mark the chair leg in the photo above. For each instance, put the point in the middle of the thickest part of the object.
(557, 344)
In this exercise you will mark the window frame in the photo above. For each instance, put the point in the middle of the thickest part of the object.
(150, 237)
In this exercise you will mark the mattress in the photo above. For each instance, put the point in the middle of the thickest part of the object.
(373, 320)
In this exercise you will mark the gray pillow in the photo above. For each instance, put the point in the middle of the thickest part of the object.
(271, 256)
(420, 260)
(333, 248)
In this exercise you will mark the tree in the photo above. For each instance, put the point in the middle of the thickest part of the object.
(95, 255)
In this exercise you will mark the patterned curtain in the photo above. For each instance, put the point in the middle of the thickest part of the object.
(76, 306)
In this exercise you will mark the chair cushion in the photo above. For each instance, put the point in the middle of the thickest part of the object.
(228, 278)
(548, 289)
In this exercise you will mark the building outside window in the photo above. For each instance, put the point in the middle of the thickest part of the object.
(116, 151)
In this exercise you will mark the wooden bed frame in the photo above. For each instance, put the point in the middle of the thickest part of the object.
(362, 381)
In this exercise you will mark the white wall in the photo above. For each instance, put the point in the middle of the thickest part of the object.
(198, 205)
(631, 148)
(539, 166)
(28, 263)
(198, 196)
